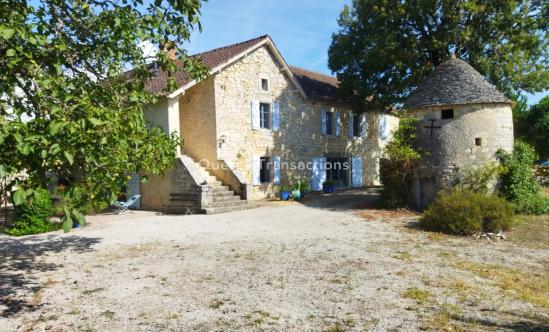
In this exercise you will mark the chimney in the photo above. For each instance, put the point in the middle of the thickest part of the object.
(170, 50)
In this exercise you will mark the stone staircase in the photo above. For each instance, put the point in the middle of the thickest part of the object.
(223, 198)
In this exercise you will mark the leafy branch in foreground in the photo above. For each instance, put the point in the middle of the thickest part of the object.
(66, 110)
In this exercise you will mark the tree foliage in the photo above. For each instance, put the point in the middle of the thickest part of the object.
(519, 184)
(401, 159)
(532, 126)
(66, 108)
(385, 48)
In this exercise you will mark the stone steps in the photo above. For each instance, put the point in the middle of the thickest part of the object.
(224, 199)
(225, 209)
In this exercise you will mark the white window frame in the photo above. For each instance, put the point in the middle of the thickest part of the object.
(269, 116)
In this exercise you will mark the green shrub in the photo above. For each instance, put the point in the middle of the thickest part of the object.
(33, 216)
(480, 178)
(519, 183)
(466, 212)
(397, 169)
(536, 204)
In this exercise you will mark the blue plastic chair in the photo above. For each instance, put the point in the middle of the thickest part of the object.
(124, 206)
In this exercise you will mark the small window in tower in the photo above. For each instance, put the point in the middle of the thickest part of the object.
(447, 114)
(478, 141)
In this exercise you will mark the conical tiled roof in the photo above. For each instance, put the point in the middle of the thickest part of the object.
(454, 82)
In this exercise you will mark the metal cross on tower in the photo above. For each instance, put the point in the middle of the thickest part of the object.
(432, 126)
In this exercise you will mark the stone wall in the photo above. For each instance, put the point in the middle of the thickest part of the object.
(471, 138)
(455, 142)
(155, 193)
(198, 121)
(299, 137)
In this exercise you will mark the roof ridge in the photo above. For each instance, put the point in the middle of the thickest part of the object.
(312, 71)
(232, 45)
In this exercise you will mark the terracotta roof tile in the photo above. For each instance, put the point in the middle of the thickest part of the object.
(317, 86)
(211, 59)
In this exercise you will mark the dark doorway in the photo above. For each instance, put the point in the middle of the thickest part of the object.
(337, 171)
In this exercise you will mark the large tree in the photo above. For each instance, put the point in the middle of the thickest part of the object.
(385, 48)
(66, 109)
(532, 126)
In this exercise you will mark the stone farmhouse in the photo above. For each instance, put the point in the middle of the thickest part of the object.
(464, 121)
(255, 124)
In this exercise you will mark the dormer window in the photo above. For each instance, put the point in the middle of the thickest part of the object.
(264, 84)
(447, 114)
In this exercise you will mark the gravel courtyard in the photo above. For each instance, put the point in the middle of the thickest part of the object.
(325, 264)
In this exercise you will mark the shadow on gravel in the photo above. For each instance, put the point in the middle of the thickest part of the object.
(20, 261)
(351, 199)
(532, 324)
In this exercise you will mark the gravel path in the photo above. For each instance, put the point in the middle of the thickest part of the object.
(284, 266)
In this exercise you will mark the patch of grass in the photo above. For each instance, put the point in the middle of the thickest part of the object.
(337, 327)
(107, 313)
(92, 291)
(259, 317)
(443, 319)
(531, 231)
(73, 312)
(37, 297)
(414, 293)
(173, 315)
(404, 256)
(525, 286)
(216, 304)
(436, 236)
(446, 254)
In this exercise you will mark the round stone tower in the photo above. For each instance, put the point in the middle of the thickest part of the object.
(464, 120)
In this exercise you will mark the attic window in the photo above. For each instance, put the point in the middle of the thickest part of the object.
(264, 84)
(478, 141)
(447, 114)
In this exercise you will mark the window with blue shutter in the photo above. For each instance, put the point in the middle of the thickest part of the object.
(256, 166)
(337, 123)
(265, 115)
(276, 169)
(384, 127)
(255, 114)
(363, 125)
(276, 116)
(329, 123)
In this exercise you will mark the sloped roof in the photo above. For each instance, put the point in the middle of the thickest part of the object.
(314, 86)
(454, 82)
(212, 59)
(317, 86)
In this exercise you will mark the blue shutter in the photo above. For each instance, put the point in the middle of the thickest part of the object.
(350, 127)
(363, 125)
(276, 169)
(337, 117)
(356, 171)
(256, 165)
(323, 123)
(384, 127)
(276, 116)
(319, 173)
(255, 114)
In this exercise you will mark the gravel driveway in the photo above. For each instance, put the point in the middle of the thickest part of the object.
(325, 264)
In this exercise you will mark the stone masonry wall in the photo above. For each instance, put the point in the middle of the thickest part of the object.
(198, 120)
(299, 137)
(454, 143)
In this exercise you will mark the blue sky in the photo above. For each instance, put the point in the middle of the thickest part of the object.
(301, 29)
